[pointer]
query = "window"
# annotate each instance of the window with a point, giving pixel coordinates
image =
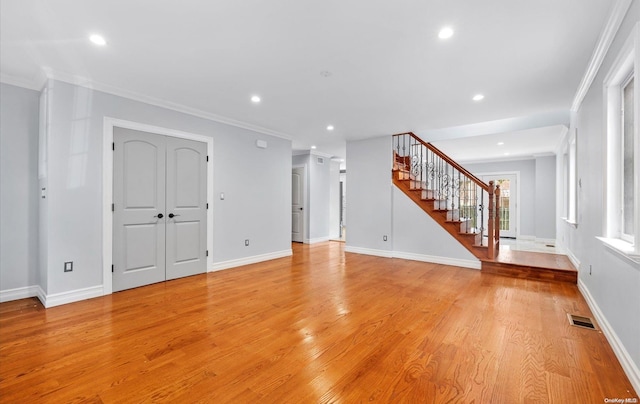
(622, 220)
(569, 173)
(627, 126)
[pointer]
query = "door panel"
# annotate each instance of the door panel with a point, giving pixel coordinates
(187, 201)
(138, 197)
(297, 204)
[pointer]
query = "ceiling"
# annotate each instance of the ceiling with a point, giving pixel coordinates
(367, 67)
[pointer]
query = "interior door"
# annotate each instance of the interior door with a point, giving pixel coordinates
(160, 212)
(508, 203)
(139, 207)
(297, 204)
(186, 219)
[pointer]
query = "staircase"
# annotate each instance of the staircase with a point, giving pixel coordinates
(466, 208)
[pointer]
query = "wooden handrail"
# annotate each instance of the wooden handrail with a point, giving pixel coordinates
(493, 190)
(448, 159)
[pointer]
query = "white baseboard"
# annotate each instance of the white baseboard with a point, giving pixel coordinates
(628, 365)
(317, 240)
(368, 251)
(524, 237)
(438, 260)
(217, 266)
(57, 299)
(540, 240)
(18, 293)
(574, 260)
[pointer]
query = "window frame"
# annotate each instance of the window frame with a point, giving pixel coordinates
(625, 67)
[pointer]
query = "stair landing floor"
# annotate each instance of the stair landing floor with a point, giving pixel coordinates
(532, 265)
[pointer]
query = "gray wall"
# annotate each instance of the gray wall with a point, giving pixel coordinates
(376, 208)
(334, 200)
(416, 232)
(319, 185)
(318, 196)
(612, 282)
(19, 116)
(545, 199)
(256, 183)
(369, 196)
(527, 186)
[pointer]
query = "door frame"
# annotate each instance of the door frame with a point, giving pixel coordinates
(305, 201)
(517, 174)
(107, 189)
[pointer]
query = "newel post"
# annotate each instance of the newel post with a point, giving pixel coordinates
(492, 222)
(497, 225)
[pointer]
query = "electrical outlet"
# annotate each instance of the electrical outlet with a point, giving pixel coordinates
(384, 238)
(68, 266)
(246, 243)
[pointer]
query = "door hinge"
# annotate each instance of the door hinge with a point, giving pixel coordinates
(207, 253)
(207, 159)
(207, 205)
(111, 268)
(113, 207)
(113, 145)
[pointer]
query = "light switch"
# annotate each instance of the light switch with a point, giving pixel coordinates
(222, 196)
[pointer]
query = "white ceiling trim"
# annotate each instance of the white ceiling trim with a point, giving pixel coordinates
(607, 35)
(36, 85)
(120, 92)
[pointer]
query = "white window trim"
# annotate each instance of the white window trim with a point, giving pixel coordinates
(627, 62)
(570, 179)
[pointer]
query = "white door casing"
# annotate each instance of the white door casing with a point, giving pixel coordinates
(109, 125)
(509, 192)
(297, 204)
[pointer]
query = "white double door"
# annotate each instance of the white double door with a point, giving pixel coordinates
(160, 208)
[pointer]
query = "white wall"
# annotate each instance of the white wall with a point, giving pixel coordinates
(609, 282)
(256, 183)
(19, 191)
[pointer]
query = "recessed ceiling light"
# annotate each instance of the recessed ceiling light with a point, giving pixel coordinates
(255, 99)
(478, 97)
(445, 33)
(313, 147)
(330, 127)
(506, 154)
(500, 143)
(98, 40)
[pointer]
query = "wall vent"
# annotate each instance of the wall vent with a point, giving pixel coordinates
(320, 160)
(579, 321)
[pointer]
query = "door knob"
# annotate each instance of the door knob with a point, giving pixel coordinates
(300, 208)
(159, 216)
(171, 215)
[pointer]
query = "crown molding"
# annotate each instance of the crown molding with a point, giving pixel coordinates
(607, 36)
(132, 95)
(34, 84)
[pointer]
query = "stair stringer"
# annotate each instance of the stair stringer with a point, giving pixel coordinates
(467, 240)
(417, 234)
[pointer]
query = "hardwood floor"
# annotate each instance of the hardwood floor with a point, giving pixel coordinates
(321, 326)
